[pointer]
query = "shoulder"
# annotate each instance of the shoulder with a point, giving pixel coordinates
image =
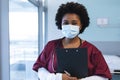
(50, 46)
(91, 47)
(94, 53)
(88, 44)
(53, 43)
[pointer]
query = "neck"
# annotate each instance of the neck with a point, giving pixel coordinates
(71, 43)
(68, 40)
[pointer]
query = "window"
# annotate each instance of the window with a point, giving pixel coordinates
(23, 28)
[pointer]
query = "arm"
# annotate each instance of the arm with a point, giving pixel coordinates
(95, 77)
(100, 70)
(43, 74)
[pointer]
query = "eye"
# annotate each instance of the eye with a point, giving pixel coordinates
(74, 23)
(65, 23)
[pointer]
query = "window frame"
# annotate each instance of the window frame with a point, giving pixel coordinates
(4, 35)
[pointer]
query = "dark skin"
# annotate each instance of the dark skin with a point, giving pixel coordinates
(73, 19)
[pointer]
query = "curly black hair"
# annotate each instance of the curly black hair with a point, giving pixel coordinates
(72, 7)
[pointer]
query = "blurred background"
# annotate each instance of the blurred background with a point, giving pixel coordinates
(27, 25)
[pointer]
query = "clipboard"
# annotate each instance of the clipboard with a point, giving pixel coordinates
(73, 60)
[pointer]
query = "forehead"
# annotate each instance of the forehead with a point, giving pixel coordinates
(70, 16)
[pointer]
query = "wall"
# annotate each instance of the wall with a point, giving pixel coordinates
(108, 9)
(0, 38)
(105, 37)
(4, 40)
(100, 35)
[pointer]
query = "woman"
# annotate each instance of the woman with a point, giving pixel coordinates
(72, 19)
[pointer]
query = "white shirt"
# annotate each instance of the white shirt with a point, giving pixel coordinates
(44, 74)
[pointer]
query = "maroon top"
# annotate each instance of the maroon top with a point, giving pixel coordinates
(96, 62)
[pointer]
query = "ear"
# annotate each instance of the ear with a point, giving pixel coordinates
(80, 28)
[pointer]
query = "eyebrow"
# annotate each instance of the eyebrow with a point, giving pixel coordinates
(72, 20)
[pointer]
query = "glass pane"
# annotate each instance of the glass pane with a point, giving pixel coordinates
(23, 28)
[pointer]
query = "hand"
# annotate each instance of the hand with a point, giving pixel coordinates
(67, 77)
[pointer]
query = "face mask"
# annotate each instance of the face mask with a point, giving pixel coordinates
(70, 31)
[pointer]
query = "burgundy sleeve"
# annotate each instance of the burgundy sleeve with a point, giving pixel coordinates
(42, 59)
(101, 67)
(40, 62)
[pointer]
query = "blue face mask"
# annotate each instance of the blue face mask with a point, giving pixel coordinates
(70, 31)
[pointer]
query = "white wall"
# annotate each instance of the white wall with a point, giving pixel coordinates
(4, 40)
(109, 10)
(102, 37)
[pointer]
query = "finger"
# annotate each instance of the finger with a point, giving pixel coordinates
(73, 78)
